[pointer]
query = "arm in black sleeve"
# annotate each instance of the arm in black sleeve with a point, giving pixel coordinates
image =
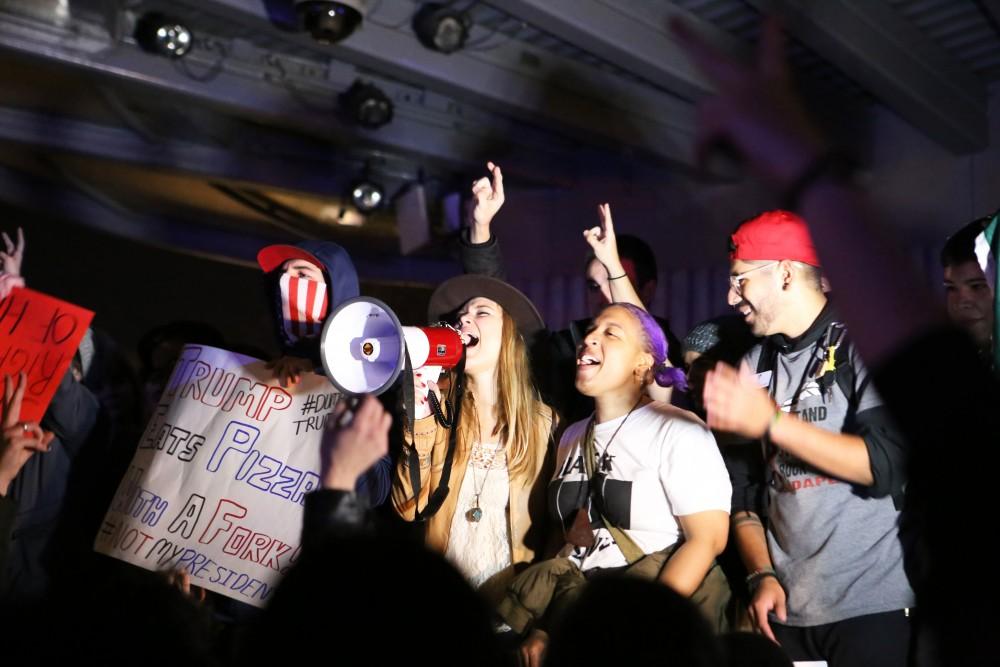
(375, 484)
(8, 511)
(869, 418)
(334, 513)
(72, 414)
(887, 452)
(481, 258)
(746, 473)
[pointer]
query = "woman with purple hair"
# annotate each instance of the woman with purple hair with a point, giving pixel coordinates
(604, 243)
(640, 487)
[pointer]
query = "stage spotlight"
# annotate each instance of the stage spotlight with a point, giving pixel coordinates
(330, 22)
(441, 28)
(366, 195)
(367, 105)
(163, 35)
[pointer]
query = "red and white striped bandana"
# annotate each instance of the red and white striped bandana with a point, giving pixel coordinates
(303, 306)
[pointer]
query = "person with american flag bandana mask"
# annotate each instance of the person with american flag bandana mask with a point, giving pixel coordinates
(307, 281)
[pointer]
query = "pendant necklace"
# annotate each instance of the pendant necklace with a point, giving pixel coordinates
(475, 513)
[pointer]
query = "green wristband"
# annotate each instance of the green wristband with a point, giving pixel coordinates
(754, 578)
(774, 420)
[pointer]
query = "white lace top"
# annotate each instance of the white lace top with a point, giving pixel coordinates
(481, 549)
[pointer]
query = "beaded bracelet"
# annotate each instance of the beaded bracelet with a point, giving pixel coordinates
(754, 578)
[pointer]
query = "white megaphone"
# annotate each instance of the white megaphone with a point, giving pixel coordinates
(363, 347)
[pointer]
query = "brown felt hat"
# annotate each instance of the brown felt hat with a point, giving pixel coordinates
(454, 292)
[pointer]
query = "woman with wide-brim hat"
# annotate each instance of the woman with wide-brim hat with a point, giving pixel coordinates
(492, 518)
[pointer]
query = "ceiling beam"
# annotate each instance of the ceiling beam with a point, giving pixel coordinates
(61, 134)
(872, 43)
(992, 9)
(514, 78)
(254, 85)
(32, 193)
(631, 34)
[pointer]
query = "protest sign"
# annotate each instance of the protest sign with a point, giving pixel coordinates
(39, 335)
(217, 483)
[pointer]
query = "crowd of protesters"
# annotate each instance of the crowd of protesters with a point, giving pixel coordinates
(803, 480)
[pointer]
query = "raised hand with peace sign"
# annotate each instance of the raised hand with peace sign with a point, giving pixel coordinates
(18, 440)
(11, 258)
(12, 255)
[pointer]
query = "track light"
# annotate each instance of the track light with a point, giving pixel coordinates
(163, 35)
(441, 28)
(367, 195)
(367, 105)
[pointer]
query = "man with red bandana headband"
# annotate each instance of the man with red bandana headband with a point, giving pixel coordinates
(307, 282)
(816, 523)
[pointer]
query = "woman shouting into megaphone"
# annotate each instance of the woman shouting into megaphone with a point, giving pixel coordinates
(480, 483)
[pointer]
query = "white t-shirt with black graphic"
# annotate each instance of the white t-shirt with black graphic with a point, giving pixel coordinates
(663, 463)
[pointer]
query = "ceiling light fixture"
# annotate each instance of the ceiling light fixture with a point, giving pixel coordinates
(163, 35)
(367, 195)
(367, 105)
(440, 28)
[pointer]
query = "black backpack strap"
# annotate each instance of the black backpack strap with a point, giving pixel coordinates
(844, 373)
(768, 357)
(767, 360)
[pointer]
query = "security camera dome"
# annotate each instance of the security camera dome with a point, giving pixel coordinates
(328, 21)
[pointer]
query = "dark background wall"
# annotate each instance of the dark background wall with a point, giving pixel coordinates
(133, 287)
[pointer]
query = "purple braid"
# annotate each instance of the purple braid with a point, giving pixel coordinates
(656, 345)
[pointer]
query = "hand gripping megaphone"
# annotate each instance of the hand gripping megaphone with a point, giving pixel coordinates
(363, 347)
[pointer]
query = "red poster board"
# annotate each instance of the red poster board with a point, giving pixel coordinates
(39, 335)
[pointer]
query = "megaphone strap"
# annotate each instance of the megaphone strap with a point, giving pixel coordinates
(436, 498)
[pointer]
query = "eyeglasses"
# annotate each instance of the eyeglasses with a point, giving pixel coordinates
(736, 282)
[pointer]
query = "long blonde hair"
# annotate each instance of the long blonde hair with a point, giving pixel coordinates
(523, 420)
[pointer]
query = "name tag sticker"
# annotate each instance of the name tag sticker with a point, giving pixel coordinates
(764, 379)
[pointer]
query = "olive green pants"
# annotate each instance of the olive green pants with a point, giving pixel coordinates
(543, 592)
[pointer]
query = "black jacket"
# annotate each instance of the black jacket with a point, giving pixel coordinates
(40, 487)
(553, 353)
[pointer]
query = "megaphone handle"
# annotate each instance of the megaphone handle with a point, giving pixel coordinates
(445, 421)
(347, 416)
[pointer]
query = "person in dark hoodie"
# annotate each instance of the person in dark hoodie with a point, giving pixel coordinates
(36, 494)
(306, 283)
(19, 441)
